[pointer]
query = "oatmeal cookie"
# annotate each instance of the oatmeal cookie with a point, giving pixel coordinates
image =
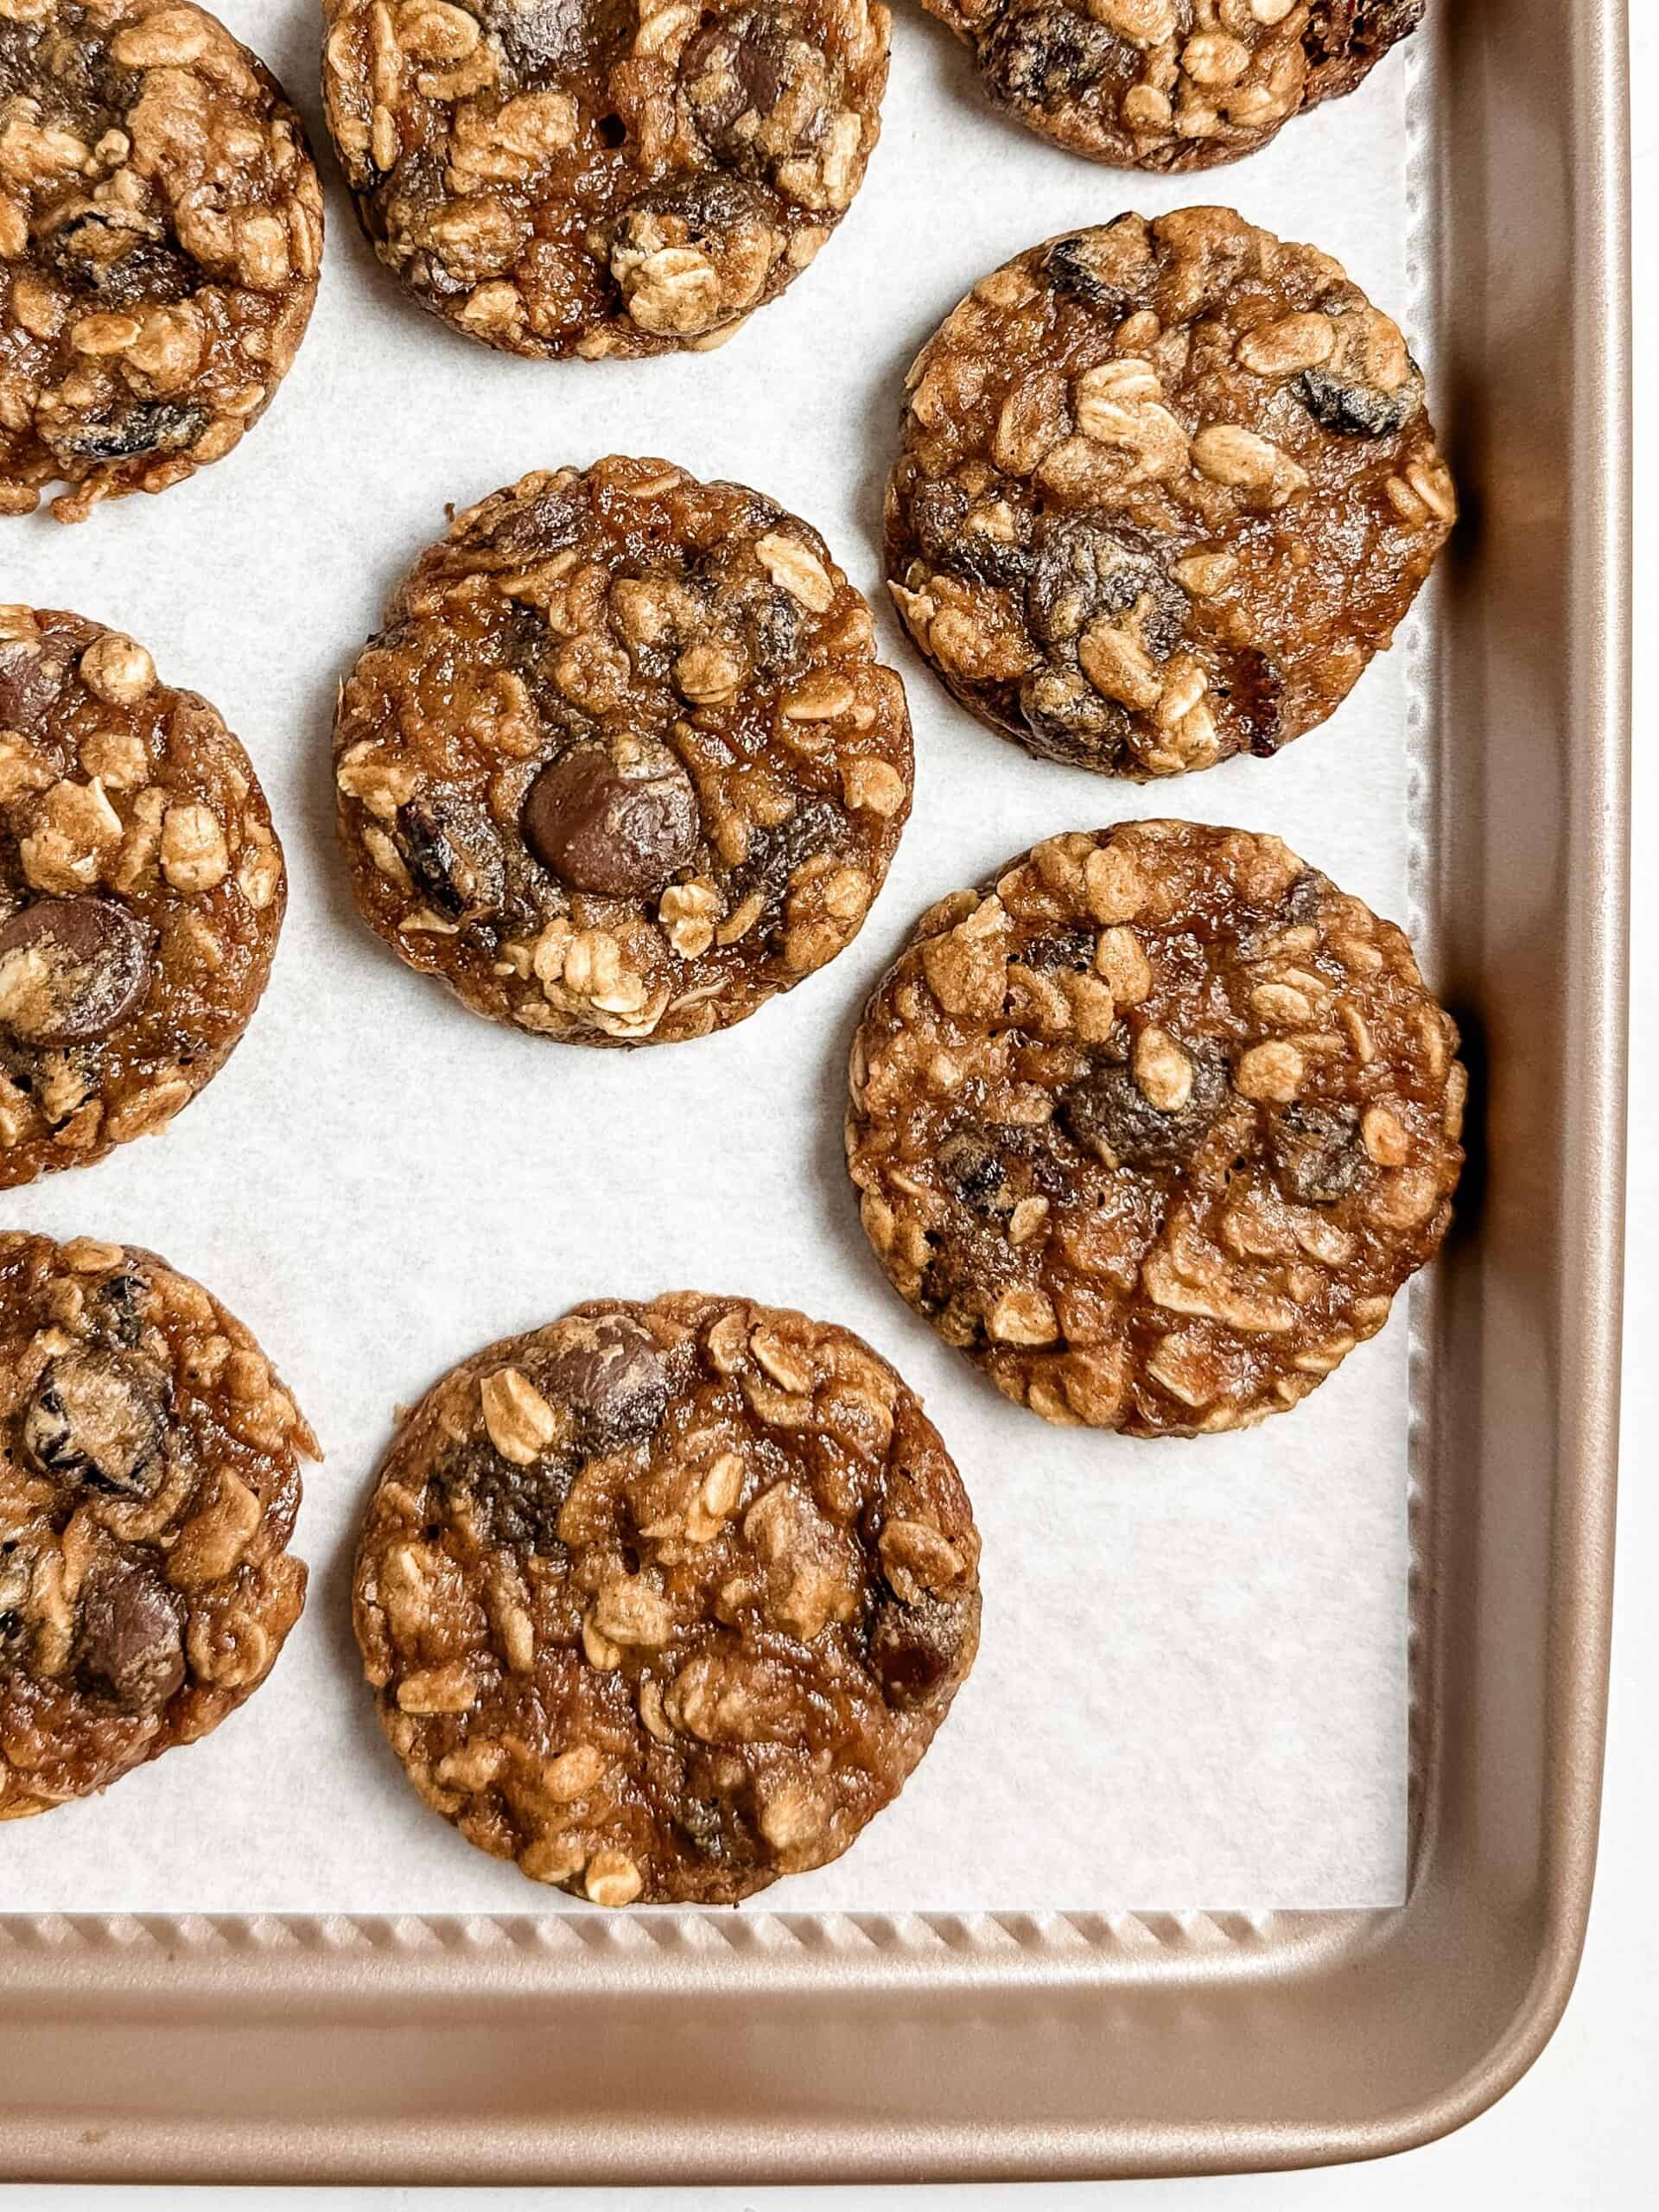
(161, 228)
(622, 764)
(1154, 1125)
(140, 893)
(1164, 488)
(664, 1601)
(1170, 84)
(603, 177)
(149, 1475)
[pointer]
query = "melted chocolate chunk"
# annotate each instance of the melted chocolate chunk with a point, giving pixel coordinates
(617, 821)
(71, 970)
(616, 1383)
(98, 1418)
(130, 1651)
(33, 672)
(1110, 1114)
(1317, 1154)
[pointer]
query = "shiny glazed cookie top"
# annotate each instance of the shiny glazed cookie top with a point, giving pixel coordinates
(603, 177)
(623, 764)
(140, 893)
(1164, 488)
(1170, 84)
(1154, 1126)
(161, 229)
(664, 1601)
(149, 1482)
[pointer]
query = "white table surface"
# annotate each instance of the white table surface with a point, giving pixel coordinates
(1576, 2132)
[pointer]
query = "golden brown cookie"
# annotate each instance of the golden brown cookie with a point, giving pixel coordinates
(140, 893)
(161, 229)
(1165, 489)
(603, 177)
(622, 764)
(149, 1475)
(664, 1601)
(1154, 1125)
(1170, 84)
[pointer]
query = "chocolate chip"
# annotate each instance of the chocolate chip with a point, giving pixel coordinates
(1316, 1154)
(1344, 38)
(1067, 719)
(614, 1379)
(119, 265)
(546, 524)
(516, 1506)
(148, 426)
(32, 672)
(616, 821)
(1299, 908)
(913, 1648)
(71, 970)
(1045, 55)
(117, 1304)
(714, 207)
(452, 850)
(131, 1649)
(734, 72)
(1086, 565)
(98, 1418)
(949, 535)
(1078, 267)
(815, 826)
(566, 33)
(716, 1813)
(973, 1167)
(1072, 949)
(773, 627)
(1108, 1114)
(1338, 404)
(1254, 689)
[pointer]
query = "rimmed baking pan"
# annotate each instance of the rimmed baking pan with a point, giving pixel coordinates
(765, 2047)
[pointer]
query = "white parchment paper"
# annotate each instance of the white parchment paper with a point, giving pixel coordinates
(1192, 1689)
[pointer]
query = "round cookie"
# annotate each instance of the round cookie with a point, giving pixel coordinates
(141, 894)
(161, 229)
(1170, 84)
(1155, 1125)
(664, 1601)
(149, 1475)
(622, 764)
(1165, 489)
(603, 177)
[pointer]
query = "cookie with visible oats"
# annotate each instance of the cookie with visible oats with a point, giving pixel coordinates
(1165, 489)
(149, 1475)
(141, 894)
(1170, 84)
(1154, 1125)
(623, 764)
(603, 177)
(161, 230)
(666, 1600)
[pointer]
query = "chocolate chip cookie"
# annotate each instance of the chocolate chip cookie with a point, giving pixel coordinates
(664, 1601)
(141, 894)
(603, 177)
(1154, 1126)
(149, 1474)
(1165, 489)
(161, 228)
(1170, 84)
(622, 764)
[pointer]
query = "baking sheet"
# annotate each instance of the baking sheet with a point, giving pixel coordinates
(1192, 1689)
